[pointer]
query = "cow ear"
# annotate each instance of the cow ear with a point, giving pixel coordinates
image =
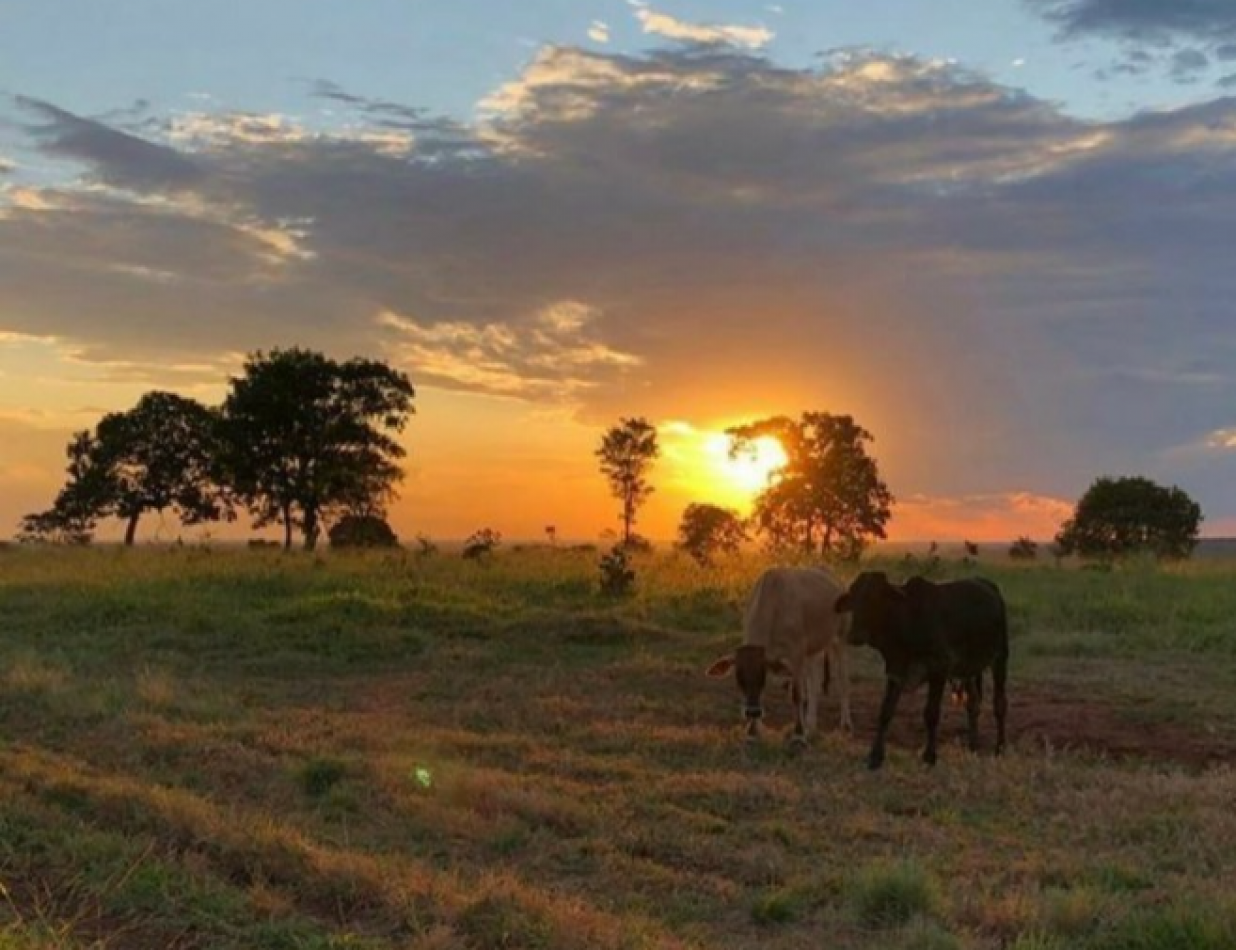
(720, 666)
(779, 667)
(844, 604)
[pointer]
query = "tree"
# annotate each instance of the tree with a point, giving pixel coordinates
(627, 453)
(362, 531)
(707, 530)
(1023, 549)
(159, 455)
(307, 438)
(1118, 516)
(828, 495)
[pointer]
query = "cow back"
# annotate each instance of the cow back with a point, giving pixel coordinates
(791, 612)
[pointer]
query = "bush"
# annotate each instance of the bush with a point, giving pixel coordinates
(617, 575)
(362, 531)
(1023, 549)
(481, 544)
(708, 530)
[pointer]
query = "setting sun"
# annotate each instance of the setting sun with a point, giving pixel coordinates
(748, 471)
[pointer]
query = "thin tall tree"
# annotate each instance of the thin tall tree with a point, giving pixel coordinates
(627, 453)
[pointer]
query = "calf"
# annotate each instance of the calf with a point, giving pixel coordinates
(791, 628)
(936, 633)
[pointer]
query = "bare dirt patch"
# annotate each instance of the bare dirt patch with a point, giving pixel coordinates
(1059, 722)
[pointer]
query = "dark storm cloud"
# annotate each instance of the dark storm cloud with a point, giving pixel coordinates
(693, 232)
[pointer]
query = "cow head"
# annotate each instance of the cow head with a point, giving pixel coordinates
(875, 605)
(751, 667)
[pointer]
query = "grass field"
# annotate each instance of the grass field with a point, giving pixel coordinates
(241, 749)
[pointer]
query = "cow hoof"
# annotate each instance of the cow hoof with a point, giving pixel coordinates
(874, 762)
(929, 759)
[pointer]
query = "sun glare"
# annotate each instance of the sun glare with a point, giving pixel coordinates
(748, 471)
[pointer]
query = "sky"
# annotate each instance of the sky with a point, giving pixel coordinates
(999, 235)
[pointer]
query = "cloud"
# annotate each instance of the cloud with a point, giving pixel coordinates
(1188, 64)
(995, 517)
(598, 32)
(116, 157)
(1002, 293)
(552, 356)
(1180, 32)
(1142, 20)
(662, 24)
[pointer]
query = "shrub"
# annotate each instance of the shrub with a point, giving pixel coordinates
(617, 575)
(708, 530)
(481, 543)
(362, 531)
(1023, 549)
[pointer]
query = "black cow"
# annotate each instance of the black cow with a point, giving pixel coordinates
(934, 633)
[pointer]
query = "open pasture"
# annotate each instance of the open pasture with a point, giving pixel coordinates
(213, 748)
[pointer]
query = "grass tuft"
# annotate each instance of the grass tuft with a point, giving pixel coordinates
(890, 895)
(320, 775)
(779, 906)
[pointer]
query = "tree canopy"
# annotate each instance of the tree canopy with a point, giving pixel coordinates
(709, 530)
(828, 496)
(160, 455)
(307, 438)
(1118, 516)
(627, 453)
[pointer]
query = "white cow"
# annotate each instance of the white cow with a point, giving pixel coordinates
(791, 628)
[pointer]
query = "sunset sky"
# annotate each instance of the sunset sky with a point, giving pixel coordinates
(1001, 234)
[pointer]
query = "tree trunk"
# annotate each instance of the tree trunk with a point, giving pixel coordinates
(130, 531)
(311, 528)
(287, 527)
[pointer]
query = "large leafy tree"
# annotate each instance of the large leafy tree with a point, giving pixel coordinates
(307, 437)
(627, 453)
(158, 456)
(1130, 515)
(828, 496)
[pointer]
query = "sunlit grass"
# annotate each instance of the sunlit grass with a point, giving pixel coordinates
(241, 749)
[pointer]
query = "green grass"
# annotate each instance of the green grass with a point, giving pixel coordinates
(214, 748)
(889, 895)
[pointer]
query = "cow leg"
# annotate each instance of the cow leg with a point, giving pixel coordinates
(892, 693)
(799, 699)
(999, 678)
(931, 715)
(839, 663)
(816, 669)
(974, 703)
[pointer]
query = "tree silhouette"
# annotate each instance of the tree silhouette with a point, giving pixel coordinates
(159, 455)
(828, 495)
(707, 530)
(362, 531)
(306, 438)
(1129, 515)
(627, 453)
